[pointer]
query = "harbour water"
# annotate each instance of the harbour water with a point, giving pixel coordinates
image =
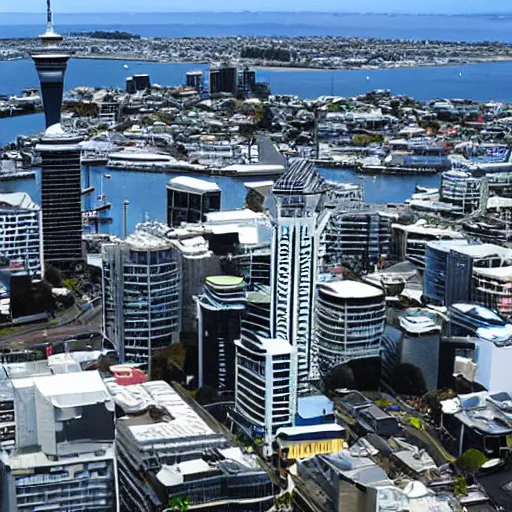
(482, 82)
(147, 196)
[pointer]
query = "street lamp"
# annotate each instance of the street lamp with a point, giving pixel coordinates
(104, 177)
(126, 203)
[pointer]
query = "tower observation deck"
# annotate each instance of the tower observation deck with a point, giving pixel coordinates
(51, 64)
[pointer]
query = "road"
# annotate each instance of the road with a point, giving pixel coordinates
(68, 325)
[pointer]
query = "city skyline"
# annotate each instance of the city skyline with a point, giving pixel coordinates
(351, 6)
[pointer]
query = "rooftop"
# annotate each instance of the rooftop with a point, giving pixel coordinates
(179, 425)
(192, 185)
(225, 282)
(17, 201)
(301, 177)
(349, 290)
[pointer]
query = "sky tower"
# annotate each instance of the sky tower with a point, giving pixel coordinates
(51, 67)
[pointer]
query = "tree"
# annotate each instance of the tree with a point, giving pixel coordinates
(431, 399)
(460, 486)
(340, 377)
(206, 395)
(179, 504)
(408, 380)
(471, 460)
(53, 276)
(254, 201)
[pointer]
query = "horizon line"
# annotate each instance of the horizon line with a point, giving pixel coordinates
(247, 11)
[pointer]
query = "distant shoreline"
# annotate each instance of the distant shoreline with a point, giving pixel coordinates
(296, 68)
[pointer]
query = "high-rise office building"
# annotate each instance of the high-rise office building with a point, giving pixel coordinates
(61, 196)
(349, 321)
(219, 311)
(21, 235)
(141, 296)
(224, 79)
(246, 81)
(194, 79)
(299, 223)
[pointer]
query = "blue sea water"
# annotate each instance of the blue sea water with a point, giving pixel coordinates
(477, 81)
(147, 193)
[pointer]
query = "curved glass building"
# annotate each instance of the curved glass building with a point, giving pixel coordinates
(462, 189)
(219, 314)
(350, 320)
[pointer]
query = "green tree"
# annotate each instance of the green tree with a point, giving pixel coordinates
(460, 486)
(408, 380)
(471, 460)
(53, 275)
(340, 377)
(179, 504)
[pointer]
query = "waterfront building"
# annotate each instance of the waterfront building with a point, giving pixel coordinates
(299, 225)
(219, 312)
(21, 235)
(141, 281)
(64, 452)
(171, 450)
(61, 196)
(410, 241)
(194, 79)
(224, 78)
(344, 196)
(142, 82)
(246, 81)
(463, 190)
(349, 323)
(131, 88)
(190, 199)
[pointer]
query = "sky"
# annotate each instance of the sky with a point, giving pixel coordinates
(386, 6)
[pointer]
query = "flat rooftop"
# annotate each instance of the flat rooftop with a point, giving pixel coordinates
(192, 185)
(349, 290)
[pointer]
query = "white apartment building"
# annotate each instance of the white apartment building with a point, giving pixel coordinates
(141, 296)
(299, 224)
(264, 384)
(21, 235)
